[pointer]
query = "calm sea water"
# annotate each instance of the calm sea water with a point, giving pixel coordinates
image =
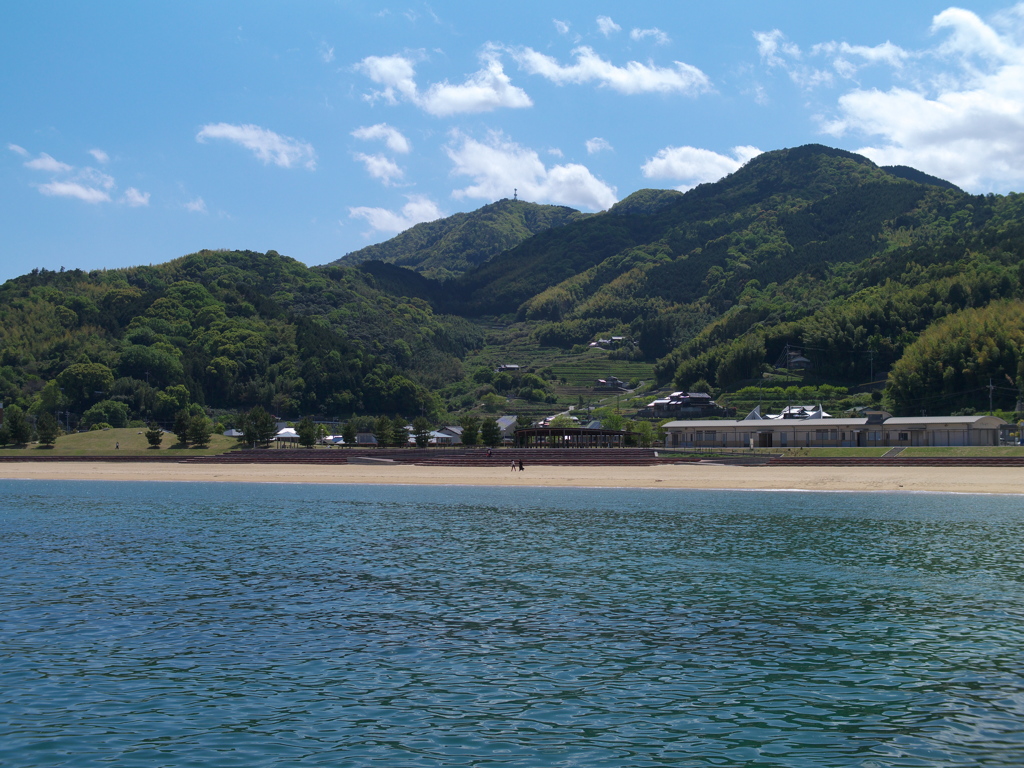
(232, 625)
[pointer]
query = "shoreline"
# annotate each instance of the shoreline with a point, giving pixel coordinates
(696, 476)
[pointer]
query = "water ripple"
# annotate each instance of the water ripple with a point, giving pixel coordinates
(362, 626)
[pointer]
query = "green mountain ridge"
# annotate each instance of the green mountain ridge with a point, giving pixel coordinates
(863, 268)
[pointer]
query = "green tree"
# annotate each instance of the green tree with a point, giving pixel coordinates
(701, 385)
(49, 399)
(112, 412)
(470, 429)
(182, 420)
(384, 431)
(154, 435)
(172, 399)
(490, 432)
(348, 433)
(257, 426)
(493, 402)
(307, 432)
(18, 428)
(85, 383)
(421, 431)
(5, 434)
(613, 421)
(644, 432)
(200, 429)
(562, 421)
(47, 429)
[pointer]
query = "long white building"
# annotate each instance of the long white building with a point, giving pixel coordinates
(818, 431)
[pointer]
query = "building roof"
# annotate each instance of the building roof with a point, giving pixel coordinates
(785, 424)
(901, 420)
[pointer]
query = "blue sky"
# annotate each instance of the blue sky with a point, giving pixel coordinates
(134, 133)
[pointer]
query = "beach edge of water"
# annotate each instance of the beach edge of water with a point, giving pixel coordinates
(695, 476)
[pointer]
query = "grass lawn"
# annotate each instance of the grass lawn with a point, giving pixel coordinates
(825, 453)
(960, 451)
(132, 441)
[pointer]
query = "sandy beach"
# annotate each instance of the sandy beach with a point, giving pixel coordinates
(679, 476)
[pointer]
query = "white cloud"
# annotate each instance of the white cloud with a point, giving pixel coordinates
(844, 60)
(46, 163)
(606, 26)
(198, 205)
(842, 53)
(660, 38)
(630, 79)
(326, 53)
(777, 52)
(392, 137)
(417, 210)
(970, 36)
(134, 198)
(556, 152)
(596, 145)
(485, 90)
(966, 124)
(76, 190)
(86, 183)
(500, 166)
(268, 146)
(693, 166)
(381, 168)
(774, 49)
(97, 178)
(561, 27)
(396, 73)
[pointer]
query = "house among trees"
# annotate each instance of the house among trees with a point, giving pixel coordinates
(612, 343)
(792, 359)
(797, 362)
(683, 405)
(507, 368)
(611, 383)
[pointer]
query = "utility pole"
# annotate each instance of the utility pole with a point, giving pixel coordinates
(990, 388)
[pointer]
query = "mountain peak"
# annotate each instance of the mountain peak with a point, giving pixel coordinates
(447, 247)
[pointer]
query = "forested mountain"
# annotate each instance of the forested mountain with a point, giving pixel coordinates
(812, 247)
(863, 268)
(225, 330)
(448, 247)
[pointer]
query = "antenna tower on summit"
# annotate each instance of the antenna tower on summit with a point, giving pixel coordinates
(515, 193)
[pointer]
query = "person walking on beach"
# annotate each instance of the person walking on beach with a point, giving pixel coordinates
(513, 465)
(521, 465)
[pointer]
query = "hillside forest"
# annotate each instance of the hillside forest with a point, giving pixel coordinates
(885, 279)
